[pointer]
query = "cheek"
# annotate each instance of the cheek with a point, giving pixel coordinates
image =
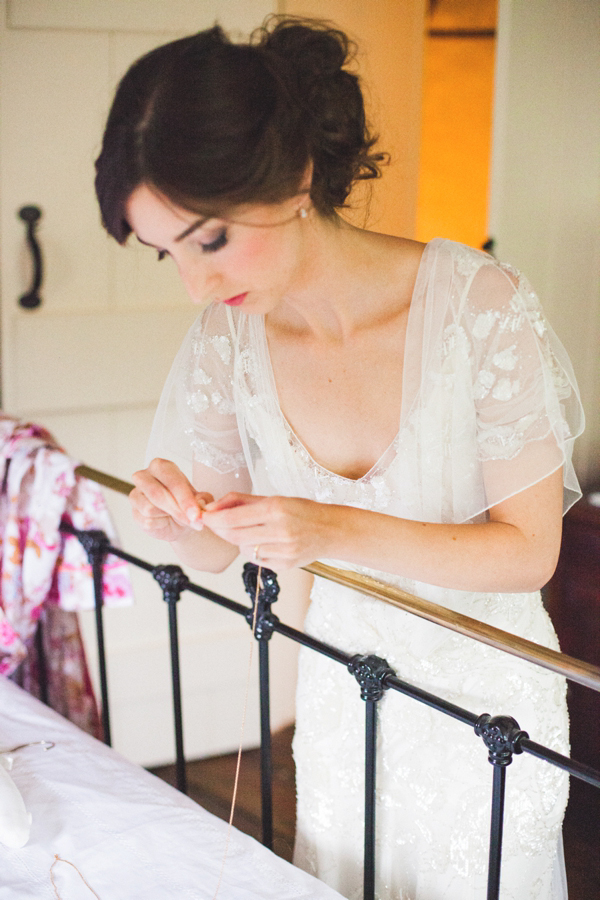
(266, 252)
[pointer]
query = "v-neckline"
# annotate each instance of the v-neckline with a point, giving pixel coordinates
(382, 462)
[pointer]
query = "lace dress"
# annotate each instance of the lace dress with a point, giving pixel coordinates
(489, 407)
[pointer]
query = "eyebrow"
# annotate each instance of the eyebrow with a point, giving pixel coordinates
(197, 224)
(191, 228)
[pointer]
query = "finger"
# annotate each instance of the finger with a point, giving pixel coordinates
(158, 526)
(142, 506)
(268, 558)
(168, 489)
(174, 481)
(152, 498)
(231, 500)
(242, 511)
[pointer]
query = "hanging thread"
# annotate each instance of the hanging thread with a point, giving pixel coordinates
(58, 858)
(239, 755)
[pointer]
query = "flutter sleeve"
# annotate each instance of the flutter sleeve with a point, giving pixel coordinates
(528, 410)
(196, 422)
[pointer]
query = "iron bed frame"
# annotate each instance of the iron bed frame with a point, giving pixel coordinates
(501, 734)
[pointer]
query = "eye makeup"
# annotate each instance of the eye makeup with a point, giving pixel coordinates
(216, 244)
(212, 247)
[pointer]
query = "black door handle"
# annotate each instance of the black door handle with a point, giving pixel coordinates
(31, 216)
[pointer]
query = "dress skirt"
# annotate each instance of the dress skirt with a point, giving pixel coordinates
(434, 781)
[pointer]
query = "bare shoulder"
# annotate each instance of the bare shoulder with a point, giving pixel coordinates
(400, 259)
(399, 252)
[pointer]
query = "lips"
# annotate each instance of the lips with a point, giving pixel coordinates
(237, 300)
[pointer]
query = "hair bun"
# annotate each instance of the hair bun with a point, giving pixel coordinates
(311, 57)
(313, 49)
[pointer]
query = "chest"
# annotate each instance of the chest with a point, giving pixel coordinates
(343, 401)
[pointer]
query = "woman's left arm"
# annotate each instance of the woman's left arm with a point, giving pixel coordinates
(516, 550)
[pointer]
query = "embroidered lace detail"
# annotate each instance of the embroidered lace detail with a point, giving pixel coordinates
(222, 346)
(506, 359)
(208, 395)
(466, 260)
(207, 454)
(485, 381)
(369, 492)
(505, 441)
(199, 376)
(197, 399)
(484, 324)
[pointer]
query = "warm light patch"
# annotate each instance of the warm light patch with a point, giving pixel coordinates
(456, 120)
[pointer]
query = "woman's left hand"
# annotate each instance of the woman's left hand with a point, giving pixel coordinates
(279, 532)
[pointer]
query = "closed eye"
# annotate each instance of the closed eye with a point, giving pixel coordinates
(161, 254)
(215, 245)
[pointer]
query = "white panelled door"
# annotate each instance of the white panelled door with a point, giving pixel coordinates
(89, 363)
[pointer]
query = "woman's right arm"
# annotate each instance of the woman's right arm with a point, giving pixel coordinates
(168, 507)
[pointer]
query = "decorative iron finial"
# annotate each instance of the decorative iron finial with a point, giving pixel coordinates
(370, 672)
(502, 736)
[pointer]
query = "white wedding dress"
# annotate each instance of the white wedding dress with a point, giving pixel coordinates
(489, 407)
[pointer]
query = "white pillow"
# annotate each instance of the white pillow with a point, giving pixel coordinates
(15, 821)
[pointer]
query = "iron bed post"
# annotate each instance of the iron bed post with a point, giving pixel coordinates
(172, 581)
(41, 661)
(264, 621)
(266, 760)
(502, 737)
(96, 544)
(370, 672)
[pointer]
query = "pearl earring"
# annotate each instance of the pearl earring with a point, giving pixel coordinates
(303, 212)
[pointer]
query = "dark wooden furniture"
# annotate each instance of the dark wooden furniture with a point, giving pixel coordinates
(573, 600)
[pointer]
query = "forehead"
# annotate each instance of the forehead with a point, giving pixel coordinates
(149, 213)
(155, 219)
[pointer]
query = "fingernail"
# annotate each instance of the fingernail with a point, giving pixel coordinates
(192, 515)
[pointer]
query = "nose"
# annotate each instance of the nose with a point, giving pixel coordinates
(200, 282)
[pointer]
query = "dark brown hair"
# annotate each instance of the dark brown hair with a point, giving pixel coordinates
(211, 124)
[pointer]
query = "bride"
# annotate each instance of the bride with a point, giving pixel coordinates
(398, 408)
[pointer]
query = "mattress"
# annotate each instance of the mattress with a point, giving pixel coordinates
(129, 834)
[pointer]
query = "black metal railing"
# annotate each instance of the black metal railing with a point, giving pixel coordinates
(501, 734)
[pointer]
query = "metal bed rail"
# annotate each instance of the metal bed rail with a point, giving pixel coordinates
(502, 735)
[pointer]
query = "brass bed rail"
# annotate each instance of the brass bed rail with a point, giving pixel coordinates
(574, 669)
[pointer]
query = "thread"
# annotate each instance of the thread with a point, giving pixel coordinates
(239, 755)
(58, 858)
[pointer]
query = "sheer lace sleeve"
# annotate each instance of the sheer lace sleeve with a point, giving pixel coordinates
(196, 422)
(527, 404)
(489, 395)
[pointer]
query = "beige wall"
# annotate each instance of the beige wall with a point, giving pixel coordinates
(389, 34)
(545, 211)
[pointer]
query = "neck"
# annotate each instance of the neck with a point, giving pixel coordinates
(342, 281)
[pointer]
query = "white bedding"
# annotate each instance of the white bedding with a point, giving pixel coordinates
(130, 834)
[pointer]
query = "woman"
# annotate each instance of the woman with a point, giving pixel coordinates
(401, 409)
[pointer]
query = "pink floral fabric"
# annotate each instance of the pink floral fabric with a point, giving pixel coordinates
(41, 569)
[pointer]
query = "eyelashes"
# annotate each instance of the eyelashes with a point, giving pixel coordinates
(215, 245)
(219, 241)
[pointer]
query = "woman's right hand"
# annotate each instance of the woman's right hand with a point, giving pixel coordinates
(164, 503)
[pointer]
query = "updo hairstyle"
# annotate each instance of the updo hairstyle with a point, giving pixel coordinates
(211, 124)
